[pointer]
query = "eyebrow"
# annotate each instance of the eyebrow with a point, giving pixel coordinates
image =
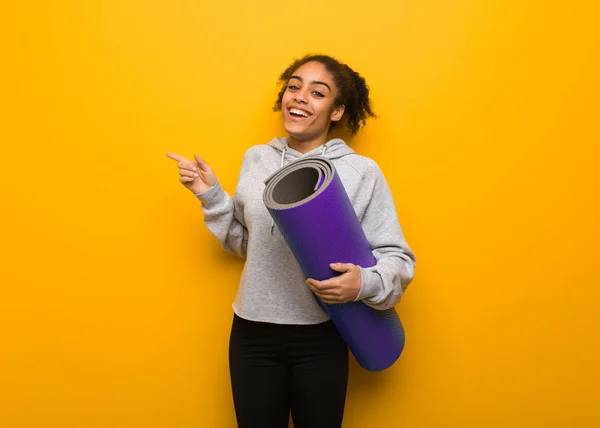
(314, 81)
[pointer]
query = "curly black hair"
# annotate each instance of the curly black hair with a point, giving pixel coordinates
(353, 91)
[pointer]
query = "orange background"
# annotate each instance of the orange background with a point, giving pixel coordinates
(115, 299)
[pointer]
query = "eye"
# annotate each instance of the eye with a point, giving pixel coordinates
(293, 87)
(318, 94)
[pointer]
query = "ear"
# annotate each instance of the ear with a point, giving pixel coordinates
(337, 113)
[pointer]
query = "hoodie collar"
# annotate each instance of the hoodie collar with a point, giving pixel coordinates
(284, 150)
(332, 149)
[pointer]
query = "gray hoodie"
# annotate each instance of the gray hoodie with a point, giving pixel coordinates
(272, 287)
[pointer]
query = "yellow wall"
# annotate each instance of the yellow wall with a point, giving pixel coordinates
(115, 300)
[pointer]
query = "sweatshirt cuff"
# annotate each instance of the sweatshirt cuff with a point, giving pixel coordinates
(212, 197)
(370, 284)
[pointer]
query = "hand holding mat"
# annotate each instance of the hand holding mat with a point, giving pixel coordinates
(310, 207)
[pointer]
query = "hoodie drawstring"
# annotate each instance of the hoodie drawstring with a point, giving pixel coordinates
(283, 157)
(283, 152)
(280, 166)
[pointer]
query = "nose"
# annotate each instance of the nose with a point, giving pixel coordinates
(301, 96)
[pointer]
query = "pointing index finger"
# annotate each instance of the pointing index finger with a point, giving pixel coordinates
(176, 157)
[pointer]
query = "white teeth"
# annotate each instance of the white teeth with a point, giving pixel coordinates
(300, 112)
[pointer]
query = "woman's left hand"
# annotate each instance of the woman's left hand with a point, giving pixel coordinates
(339, 289)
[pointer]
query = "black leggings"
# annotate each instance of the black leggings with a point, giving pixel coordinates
(276, 368)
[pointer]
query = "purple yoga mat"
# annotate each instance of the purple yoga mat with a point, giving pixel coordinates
(310, 207)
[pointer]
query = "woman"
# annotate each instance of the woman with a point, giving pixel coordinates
(285, 353)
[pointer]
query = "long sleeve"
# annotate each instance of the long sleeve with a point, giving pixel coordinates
(383, 284)
(224, 217)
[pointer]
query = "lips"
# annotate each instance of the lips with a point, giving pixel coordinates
(298, 113)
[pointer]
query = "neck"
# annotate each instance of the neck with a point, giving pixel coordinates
(305, 146)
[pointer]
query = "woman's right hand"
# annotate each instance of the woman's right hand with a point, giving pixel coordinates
(196, 176)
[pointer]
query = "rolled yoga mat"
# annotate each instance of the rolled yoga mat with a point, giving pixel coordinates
(312, 210)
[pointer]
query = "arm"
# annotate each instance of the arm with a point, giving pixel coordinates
(224, 217)
(222, 214)
(382, 285)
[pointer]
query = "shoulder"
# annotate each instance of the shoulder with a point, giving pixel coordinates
(258, 151)
(362, 166)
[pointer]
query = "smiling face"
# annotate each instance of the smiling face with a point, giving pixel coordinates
(308, 103)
